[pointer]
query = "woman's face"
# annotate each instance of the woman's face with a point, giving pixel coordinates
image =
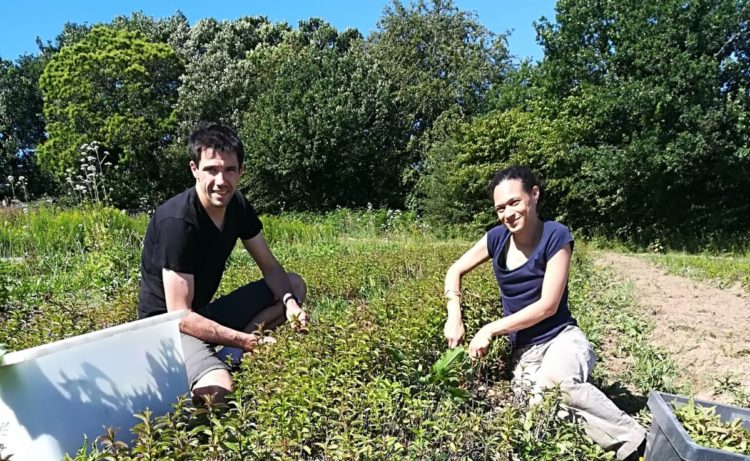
(513, 205)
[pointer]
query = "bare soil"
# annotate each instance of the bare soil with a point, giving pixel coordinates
(705, 329)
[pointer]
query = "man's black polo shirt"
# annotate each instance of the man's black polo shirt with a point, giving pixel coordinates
(182, 237)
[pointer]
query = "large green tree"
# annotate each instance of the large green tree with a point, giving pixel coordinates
(117, 88)
(321, 134)
(436, 59)
(459, 166)
(219, 83)
(637, 116)
(21, 121)
(663, 88)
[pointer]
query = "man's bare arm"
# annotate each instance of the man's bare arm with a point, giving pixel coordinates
(275, 275)
(178, 294)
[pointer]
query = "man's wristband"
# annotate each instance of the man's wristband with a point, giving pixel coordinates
(289, 296)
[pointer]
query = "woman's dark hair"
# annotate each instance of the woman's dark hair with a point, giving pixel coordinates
(211, 135)
(526, 176)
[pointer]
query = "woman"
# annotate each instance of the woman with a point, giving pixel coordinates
(531, 260)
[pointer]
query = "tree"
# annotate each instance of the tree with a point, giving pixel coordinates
(173, 30)
(458, 167)
(322, 133)
(436, 58)
(662, 88)
(21, 121)
(119, 89)
(218, 84)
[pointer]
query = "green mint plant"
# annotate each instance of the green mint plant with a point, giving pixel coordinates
(706, 428)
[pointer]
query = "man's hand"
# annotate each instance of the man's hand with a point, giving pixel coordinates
(454, 330)
(480, 344)
(251, 341)
(296, 316)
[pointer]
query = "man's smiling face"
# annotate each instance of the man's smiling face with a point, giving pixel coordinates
(216, 177)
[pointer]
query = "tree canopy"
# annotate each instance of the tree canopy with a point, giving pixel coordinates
(116, 88)
(636, 117)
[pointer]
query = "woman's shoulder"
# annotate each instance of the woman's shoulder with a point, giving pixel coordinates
(497, 233)
(495, 238)
(556, 235)
(555, 227)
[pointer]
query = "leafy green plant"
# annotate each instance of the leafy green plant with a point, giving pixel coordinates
(372, 379)
(728, 384)
(706, 428)
(90, 183)
(446, 372)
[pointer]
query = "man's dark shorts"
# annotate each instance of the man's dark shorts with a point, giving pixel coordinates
(234, 310)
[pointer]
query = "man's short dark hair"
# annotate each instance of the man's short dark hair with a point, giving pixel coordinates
(212, 135)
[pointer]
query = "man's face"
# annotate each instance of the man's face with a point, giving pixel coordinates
(216, 176)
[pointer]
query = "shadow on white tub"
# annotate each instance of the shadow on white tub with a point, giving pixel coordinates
(52, 396)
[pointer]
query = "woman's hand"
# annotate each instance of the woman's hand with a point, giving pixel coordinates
(476, 255)
(454, 330)
(480, 343)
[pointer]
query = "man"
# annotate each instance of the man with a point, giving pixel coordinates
(185, 250)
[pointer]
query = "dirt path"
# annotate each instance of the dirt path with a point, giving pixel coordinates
(705, 329)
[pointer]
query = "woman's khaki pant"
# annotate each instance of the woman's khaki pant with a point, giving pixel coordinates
(568, 360)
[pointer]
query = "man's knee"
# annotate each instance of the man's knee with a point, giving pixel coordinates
(298, 285)
(215, 384)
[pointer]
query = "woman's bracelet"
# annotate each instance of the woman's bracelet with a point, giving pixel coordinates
(449, 293)
(289, 296)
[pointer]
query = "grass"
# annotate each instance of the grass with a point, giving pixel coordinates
(722, 271)
(370, 381)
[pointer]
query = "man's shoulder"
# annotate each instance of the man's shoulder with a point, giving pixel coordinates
(244, 217)
(239, 201)
(179, 207)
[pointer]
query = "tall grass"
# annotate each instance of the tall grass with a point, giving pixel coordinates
(49, 231)
(723, 271)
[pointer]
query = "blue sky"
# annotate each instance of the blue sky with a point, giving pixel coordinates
(24, 20)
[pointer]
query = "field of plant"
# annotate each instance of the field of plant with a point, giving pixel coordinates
(723, 271)
(372, 379)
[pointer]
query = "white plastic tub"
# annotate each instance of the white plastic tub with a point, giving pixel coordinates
(54, 395)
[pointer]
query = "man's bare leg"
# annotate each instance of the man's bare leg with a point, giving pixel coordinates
(215, 384)
(275, 315)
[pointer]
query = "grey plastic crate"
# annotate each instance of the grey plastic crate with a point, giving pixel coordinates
(668, 440)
